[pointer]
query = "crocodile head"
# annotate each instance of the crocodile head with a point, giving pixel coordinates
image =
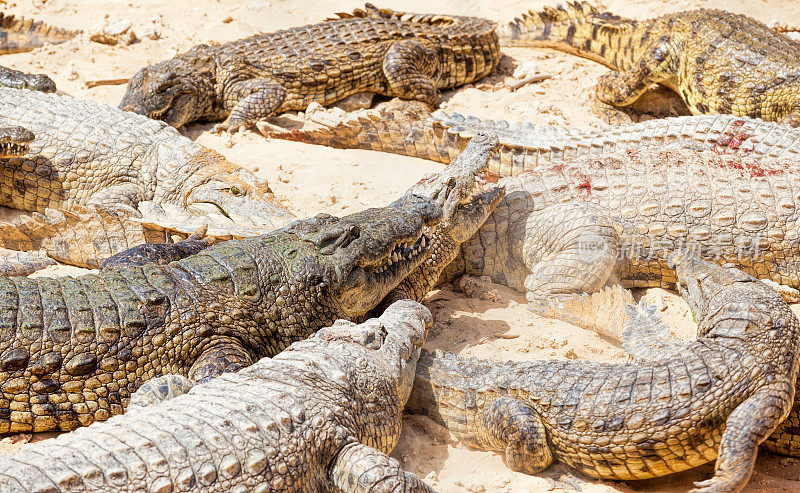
(14, 141)
(466, 206)
(391, 342)
(725, 301)
(361, 257)
(170, 91)
(225, 190)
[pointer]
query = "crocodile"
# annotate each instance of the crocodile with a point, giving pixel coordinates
(20, 34)
(99, 337)
(716, 400)
(717, 61)
(320, 416)
(465, 211)
(374, 50)
(672, 180)
(73, 349)
(89, 155)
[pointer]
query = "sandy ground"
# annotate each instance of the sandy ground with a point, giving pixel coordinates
(485, 321)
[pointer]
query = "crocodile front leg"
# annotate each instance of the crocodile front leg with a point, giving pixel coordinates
(247, 99)
(570, 250)
(359, 468)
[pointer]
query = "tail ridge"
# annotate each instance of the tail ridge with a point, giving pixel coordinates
(576, 27)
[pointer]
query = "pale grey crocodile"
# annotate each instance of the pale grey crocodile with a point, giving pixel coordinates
(320, 416)
(94, 161)
(708, 180)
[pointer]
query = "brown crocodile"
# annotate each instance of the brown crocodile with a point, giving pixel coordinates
(381, 51)
(717, 61)
(320, 416)
(716, 400)
(98, 337)
(97, 162)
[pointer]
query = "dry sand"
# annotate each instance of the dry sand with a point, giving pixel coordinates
(490, 321)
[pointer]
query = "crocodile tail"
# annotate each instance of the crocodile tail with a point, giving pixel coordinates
(438, 137)
(408, 131)
(20, 34)
(577, 28)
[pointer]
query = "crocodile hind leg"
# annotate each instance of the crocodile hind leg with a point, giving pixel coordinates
(409, 66)
(571, 251)
(624, 87)
(747, 426)
(515, 428)
(359, 468)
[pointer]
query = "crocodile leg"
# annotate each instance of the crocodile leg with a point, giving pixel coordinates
(624, 87)
(159, 389)
(249, 100)
(570, 250)
(409, 66)
(359, 468)
(226, 355)
(647, 338)
(747, 426)
(793, 118)
(520, 433)
(121, 197)
(24, 263)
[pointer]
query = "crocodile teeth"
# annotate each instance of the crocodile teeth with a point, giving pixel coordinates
(422, 242)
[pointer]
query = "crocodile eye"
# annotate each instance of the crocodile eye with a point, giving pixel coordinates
(354, 231)
(235, 191)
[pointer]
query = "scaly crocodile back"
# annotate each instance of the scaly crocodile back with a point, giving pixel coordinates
(468, 44)
(19, 34)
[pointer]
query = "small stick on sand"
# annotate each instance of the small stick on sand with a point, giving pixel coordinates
(106, 82)
(527, 80)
